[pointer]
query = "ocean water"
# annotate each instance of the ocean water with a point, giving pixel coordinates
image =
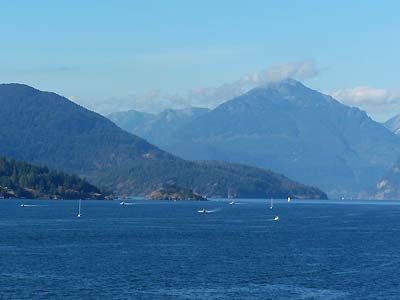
(166, 250)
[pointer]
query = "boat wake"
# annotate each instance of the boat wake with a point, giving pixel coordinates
(206, 211)
(126, 203)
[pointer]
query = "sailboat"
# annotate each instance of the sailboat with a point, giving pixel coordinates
(79, 209)
(272, 204)
(288, 199)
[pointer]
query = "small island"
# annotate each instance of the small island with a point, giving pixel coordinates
(175, 193)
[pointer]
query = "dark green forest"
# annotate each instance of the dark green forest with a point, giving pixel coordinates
(22, 180)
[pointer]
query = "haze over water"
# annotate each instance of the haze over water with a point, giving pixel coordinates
(164, 250)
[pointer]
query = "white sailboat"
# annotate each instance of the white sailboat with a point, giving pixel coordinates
(79, 209)
(288, 199)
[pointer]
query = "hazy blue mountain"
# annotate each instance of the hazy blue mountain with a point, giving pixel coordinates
(389, 185)
(293, 130)
(48, 129)
(393, 124)
(156, 128)
(130, 120)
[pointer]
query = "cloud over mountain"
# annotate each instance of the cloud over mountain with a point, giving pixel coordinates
(365, 95)
(375, 101)
(300, 70)
(155, 101)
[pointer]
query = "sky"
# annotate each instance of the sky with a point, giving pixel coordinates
(151, 55)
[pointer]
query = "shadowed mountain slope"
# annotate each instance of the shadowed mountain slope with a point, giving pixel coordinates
(48, 129)
(291, 129)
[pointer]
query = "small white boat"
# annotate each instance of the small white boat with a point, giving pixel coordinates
(288, 199)
(272, 204)
(232, 203)
(122, 203)
(276, 218)
(79, 209)
(203, 211)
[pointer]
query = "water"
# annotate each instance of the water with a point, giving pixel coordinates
(164, 250)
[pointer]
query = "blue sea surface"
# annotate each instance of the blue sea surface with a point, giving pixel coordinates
(167, 250)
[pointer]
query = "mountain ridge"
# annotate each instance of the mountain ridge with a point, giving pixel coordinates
(393, 124)
(291, 129)
(47, 129)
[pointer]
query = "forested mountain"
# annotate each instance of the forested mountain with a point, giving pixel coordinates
(20, 179)
(291, 129)
(48, 129)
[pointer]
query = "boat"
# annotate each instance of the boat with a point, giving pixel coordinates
(203, 211)
(79, 209)
(232, 203)
(276, 218)
(288, 199)
(272, 204)
(122, 203)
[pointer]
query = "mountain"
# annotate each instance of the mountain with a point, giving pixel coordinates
(156, 128)
(388, 187)
(393, 124)
(294, 130)
(20, 179)
(131, 120)
(47, 129)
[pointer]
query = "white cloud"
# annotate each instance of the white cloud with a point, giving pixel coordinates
(298, 70)
(378, 103)
(155, 101)
(365, 95)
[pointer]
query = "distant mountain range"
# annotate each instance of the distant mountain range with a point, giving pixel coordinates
(47, 129)
(286, 127)
(156, 128)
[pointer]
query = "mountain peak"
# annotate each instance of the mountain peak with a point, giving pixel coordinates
(284, 86)
(13, 87)
(281, 93)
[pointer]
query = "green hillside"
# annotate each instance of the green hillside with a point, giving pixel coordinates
(22, 180)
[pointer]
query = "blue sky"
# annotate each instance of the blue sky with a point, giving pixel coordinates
(104, 53)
